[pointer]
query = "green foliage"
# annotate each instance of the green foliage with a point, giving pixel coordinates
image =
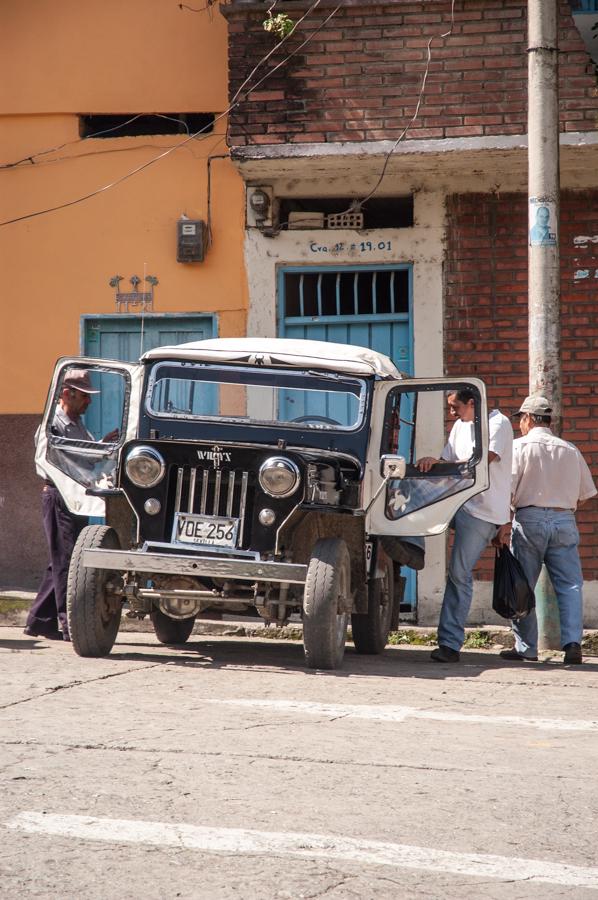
(279, 25)
(475, 640)
(590, 644)
(12, 604)
(409, 636)
(286, 633)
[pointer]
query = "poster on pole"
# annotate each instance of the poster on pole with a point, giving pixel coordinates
(542, 222)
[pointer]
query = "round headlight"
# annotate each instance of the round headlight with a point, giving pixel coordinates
(279, 477)
(144, 466)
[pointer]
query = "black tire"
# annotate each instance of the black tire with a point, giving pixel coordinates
(171, 631)
(370, 630)
(93, 616)
(327, 587)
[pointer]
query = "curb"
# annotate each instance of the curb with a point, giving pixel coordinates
(14, 607)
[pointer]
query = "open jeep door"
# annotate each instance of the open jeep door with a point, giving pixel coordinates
(79, 466)
(406, 423)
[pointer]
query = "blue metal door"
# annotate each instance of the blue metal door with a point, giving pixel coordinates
(368, 306)
(126, 337)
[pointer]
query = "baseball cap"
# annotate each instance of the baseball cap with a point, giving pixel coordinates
(79, 380)
(535, 405)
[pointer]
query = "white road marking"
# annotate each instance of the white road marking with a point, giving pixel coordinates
(307, 846)
(400, 713)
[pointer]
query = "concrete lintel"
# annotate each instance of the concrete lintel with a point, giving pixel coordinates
(494, 155)
(362, 149)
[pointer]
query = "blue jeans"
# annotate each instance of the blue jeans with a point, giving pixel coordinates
(472, 536)
(551, 537)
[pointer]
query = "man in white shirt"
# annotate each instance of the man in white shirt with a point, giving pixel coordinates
(477, 522)
(550, 480)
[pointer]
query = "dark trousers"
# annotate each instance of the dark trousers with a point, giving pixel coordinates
(62, 528)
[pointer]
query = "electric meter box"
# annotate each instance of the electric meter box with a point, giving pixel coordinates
(192, 240)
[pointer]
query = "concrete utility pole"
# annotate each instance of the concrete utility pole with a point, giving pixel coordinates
(543, 249)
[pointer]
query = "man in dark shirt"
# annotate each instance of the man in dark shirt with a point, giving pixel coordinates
(47, 616)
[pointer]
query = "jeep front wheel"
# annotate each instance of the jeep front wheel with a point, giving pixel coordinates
(171, 631)
(370, 630)
(325, 604)
(93, 612)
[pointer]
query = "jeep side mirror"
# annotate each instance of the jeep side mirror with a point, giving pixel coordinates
(392, 466)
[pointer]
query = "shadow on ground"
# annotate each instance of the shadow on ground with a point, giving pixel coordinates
(408, 662)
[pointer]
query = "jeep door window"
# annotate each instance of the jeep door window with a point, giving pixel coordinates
(256, 396)
(410, 425)
(84, 431)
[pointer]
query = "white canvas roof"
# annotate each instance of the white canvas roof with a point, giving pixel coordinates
(283, 352)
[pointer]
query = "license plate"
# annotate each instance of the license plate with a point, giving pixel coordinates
(213, 530)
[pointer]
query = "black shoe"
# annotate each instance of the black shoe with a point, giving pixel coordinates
(30, 631)
(572, 654)
(445, 655)
(66, 636)
(515, 654)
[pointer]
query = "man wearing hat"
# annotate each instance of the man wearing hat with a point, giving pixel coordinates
(47, 616)
(550, 480)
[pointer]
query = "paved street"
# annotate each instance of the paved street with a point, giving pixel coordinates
(226, 770)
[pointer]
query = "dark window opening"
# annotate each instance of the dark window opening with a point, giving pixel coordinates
(349, 292)
(378, 212)
(138, 124)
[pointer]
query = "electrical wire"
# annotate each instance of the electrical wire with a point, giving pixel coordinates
(272, 51)
(300, 47)
(103, 152)
(208, 5)
(209, 191)
(234, 102)
(31, 159)
(360, 203)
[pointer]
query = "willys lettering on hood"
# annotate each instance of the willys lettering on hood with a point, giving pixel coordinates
(216, 456)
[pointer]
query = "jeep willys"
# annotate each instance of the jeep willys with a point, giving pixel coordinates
(263, 476)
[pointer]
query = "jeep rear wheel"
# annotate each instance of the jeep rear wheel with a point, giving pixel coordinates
(370, 631)
(93, 613)
(171, 631)
(326, 599)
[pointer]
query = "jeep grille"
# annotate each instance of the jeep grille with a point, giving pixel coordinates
(212, 492)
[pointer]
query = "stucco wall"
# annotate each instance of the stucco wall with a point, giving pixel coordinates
(60, 60)
(69, 58)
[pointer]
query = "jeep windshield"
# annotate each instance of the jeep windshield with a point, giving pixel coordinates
(246, 395)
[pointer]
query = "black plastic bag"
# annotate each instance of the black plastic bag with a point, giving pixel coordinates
(512, 597)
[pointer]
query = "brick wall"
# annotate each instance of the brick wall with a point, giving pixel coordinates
(486, 317)
(359, 78)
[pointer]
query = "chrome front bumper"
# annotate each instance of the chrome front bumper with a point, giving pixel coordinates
(206, 566)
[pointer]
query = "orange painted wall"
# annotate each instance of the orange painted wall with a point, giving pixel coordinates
(60, 58)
